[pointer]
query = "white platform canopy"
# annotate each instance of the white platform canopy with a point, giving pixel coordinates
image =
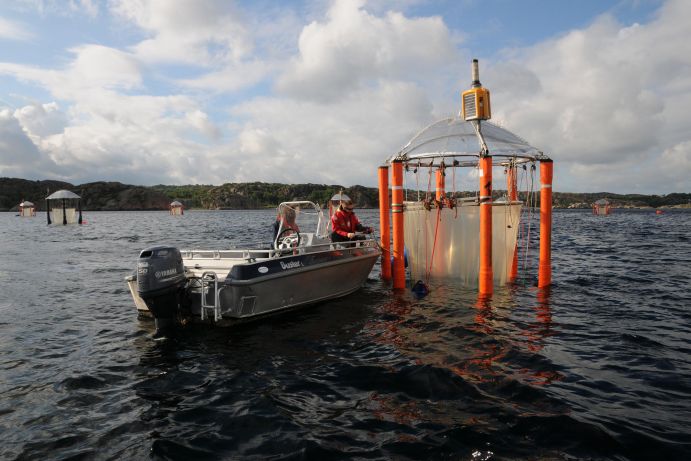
(456, 142)
(26, 203)
(62, 194)
(339, 196)
(64, 207)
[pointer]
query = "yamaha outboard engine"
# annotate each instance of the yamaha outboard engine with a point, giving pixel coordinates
(160, 280)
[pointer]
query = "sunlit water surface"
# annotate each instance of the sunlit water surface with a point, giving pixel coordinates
(599, 367)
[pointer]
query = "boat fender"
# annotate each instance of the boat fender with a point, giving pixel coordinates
(405, 257)
(420, 289)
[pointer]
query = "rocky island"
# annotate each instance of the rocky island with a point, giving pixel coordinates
(115, 196)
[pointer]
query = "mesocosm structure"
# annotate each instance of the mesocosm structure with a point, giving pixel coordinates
(472, 239)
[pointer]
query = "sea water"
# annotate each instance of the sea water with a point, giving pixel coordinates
(597, 367)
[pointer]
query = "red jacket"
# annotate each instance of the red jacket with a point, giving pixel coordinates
(344, 222)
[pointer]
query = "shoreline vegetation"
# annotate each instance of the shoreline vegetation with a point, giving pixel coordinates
(115, 196)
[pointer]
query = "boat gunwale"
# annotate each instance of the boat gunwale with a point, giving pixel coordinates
(195, 254)
(229, 281)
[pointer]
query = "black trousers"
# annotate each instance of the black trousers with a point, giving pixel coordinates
(339, 238)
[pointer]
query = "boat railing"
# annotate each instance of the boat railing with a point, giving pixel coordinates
(459, 202)
(249, 255)
(208, 279)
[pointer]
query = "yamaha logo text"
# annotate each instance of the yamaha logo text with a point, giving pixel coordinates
(166, 273)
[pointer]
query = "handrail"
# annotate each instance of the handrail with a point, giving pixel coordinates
(270, 253)
(206, 279)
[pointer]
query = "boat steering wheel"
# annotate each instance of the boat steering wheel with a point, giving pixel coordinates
(288, 238)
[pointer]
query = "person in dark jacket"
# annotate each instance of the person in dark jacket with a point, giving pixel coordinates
(345, 225)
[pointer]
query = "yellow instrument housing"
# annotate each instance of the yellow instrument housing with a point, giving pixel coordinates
(476, 104)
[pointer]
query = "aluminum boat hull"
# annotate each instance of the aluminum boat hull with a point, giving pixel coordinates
(254, 287)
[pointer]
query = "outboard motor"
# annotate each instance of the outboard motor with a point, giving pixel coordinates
(160, 279)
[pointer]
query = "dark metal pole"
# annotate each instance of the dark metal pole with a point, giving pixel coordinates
(64, 213)
(79, 204)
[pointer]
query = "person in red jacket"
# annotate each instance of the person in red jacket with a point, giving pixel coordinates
(344, 224)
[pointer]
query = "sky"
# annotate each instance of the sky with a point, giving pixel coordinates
(152, 92)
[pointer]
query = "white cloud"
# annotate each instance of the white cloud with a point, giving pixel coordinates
(327, 143)
(19, 156)
(112, 134)
(89, 7)
(14, 31)
(201, 123)
(604, 95)
(123, 146)
(116, 136)
(199, 32)
(108, 134)
(15, 146)
(676, 165)
(332, 96)
(94, 68)
(60, 7)
(97, 66)
(353, 48)
(41, 120)
(232, 78)
(224, 48)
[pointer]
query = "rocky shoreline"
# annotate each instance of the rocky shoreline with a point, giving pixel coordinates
(115, 196)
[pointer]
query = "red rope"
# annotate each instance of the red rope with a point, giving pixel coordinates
(434, 244)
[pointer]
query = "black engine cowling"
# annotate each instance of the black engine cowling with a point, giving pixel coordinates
(160, 281)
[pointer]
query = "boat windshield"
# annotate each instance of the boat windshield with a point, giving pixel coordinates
(303, 216)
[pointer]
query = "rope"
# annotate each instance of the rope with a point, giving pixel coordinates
(434, 245)
(525, 222)
(405, 190)
(514, 182)
(427, 196)
(531, 204)
(454, 193)
(417, 181)
(521, 223)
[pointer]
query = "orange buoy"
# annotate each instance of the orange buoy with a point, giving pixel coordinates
(512, 189)
(440, 183)
(486, 275)
(397, 215)
(544, 277)
(384, 222)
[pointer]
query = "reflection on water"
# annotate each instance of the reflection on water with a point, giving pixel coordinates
(473, 336)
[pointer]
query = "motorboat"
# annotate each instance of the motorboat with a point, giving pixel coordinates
(301, 266)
